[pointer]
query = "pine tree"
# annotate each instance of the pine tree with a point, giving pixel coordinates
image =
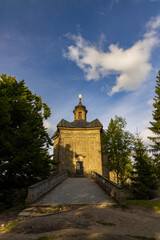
(144, 178)
(155, 126)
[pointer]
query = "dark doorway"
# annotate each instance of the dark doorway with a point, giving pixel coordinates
(79, 168)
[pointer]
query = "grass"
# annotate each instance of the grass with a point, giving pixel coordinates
(105, 223)
(8, 227)
(144, 203)
(80, 235)
(141, 237)
(58, 208)
(51, 209)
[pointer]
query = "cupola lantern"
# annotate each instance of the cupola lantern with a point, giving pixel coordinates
(80, 110)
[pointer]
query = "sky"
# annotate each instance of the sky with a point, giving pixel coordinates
(106, 50)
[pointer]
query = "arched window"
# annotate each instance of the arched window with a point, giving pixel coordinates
(79, 115)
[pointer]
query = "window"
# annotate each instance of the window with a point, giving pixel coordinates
(79, 115)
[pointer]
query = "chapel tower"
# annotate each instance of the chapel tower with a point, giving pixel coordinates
(80, 110)
(77, 144)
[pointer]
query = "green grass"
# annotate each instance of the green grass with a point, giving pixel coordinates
(8, 227)
(105, 223)
(51, 209)
(144, 203)
(58, 208)
(141, 237)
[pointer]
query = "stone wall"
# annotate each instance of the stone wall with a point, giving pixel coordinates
(116, 191)
(75, 145)
(105, 171)
(39, 189)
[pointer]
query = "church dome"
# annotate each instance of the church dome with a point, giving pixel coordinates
(80, 110)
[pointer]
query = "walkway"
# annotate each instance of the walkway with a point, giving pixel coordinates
(77, 191)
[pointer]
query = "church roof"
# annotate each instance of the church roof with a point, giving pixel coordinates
(80, 106)
(55, 133)
(95, 123)
(78, 124)
(64, 123)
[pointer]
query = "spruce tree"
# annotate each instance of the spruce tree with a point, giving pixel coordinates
(117, 145)
(144, 178)
(155, 126)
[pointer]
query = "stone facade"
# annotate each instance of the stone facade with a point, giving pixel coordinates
(77, 145)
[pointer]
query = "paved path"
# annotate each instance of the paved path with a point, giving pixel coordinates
(77, 191)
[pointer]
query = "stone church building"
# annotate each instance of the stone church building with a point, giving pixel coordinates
(77, 144)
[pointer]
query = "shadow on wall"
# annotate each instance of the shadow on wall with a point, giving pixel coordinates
(68, 160)
(63, 156)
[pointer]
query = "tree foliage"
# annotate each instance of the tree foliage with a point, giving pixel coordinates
(155, 125)
(24, 157)
(116, 143)
(144, 178)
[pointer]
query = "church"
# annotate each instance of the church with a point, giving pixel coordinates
(77, 144)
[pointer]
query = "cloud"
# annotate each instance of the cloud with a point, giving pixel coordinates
(49, 127)
(145, 134)
(150, 102)
(154, 23)
(112, 3)
(131, 66)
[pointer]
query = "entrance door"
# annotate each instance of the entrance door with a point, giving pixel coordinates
(79, 168)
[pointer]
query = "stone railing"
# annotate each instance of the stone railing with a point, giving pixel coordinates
(116, 191)
(39, 189)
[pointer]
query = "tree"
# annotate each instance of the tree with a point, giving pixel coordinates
(155, 126)
(116, 143)
(24, 157)
(144, 178)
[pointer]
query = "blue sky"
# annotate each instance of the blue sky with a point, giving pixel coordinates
(107, 50)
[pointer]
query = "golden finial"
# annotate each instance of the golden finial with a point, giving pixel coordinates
(80, 96)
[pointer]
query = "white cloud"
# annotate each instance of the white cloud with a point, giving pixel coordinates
(154, 23)
(145, 134)
(112, 3)
(49, 127)
(150, 102)
(131, 65)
